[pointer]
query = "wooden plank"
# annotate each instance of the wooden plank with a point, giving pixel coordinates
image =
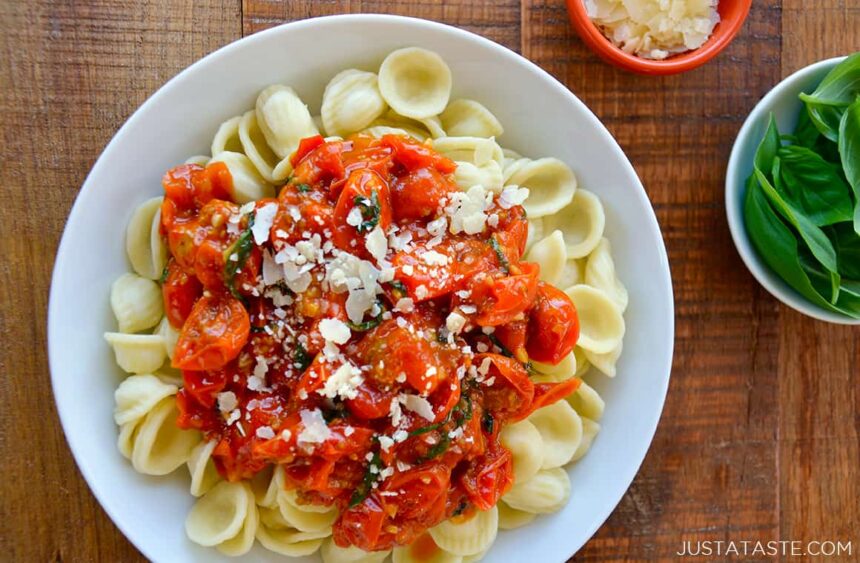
(498, 20)
(819, 364)
(711, 472)
(72, 73)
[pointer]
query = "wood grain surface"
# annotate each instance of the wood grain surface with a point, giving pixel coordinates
(759, 436)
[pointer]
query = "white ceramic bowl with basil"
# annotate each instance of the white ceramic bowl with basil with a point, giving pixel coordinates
(792, 250)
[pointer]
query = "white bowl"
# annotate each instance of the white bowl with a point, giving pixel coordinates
(542, 118)
(784, 103)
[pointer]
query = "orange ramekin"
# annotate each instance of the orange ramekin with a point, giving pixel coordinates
(732, 16)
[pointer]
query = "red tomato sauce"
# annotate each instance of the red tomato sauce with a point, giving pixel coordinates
(395, 421)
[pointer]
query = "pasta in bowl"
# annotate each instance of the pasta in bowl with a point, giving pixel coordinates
(367, 343)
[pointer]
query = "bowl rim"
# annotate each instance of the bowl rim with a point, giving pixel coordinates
(611, 53)
(774, 285)
(63, 259)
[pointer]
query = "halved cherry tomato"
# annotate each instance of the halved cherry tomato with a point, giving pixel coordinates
(553, 325)
(368, 192)
(180, 291)
(306, 145)
(417, 195)
(214, 333)
(512, 232)
(549, 393)
(190, 186)
(502, 300)
(413, 155)
(323, 165)
(204, 386)
(370, 402)
(512, 392)
(489, 477)
(513, 337)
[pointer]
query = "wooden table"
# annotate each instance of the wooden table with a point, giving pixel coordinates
(759, 437)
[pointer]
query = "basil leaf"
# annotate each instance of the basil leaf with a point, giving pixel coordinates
(813, 185)
(778, 247)
(837, 91)
(847, 245)
(849, 152)
(366, 484)
(500, 254)
(301, 358)
(370, 211)
(241, 247)
(805, 132)
(766, 151)
(812, 235)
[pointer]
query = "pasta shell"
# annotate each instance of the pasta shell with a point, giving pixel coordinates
(219, 515)
(137, 395)
(241, 543)
(424, 550)
(146, 250)
(258, 151)
(266, 484)
(589, 432)
(286, 541)
(468, 118)
(204, 476)
(526, 447)
(160, 446)
(351, 102)
(227, 137)
(125, 440)
(581, 222)
(563, 370)
(199, 160)
(601, 326)
(307, 517)
(378, 130)
(587, 402)
(415, 82)
(470, 536)
(137, 353)
(544, 493)
(434, 126)
(284, 120)
(488, 175)
(550, 254)
(511, 518)
(560, 429)
(536, 231)
(475, 150)
(169, 334)
(605, 363)
(511, 167)
(572, 273)
(551, 185)
(600, 273)
(332, 553)
(136, 302)
(582, 364)
(248, 184)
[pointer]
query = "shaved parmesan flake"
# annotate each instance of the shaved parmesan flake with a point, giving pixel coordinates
(265, 432)
(315, 429)
(335, 330)
(455, 322)
(354, 218)
(418, 405)
(377, 244)
(466, 210)
(227, 401)
(511, 196)
(263, 220)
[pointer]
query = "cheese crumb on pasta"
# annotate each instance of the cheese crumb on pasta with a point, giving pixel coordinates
(655, 29)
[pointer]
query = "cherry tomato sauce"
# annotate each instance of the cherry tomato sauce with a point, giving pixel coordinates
(395, 421)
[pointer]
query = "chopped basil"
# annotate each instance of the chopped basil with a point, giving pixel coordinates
(488, 422)
(301, 357)
(369, 212)
(497, 248)
(498, 344)
(439, 448)
(164, 273)
(461, 508)
(258, 329)
(366, 484)
(367, 325)
(303, 188)
(242, 249)
(398, 289)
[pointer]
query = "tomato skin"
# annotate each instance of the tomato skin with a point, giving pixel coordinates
(214, 334)
(513, 337)
(489, 477)
(306, 145)
(322, 165)
(204, 387)
(362, 183)
(190, 186)
(370, 403)
(549, 393)
(553, 325)
(512, 392)
(413, 155)
(502, 300)
(180, 290)
(417, 194)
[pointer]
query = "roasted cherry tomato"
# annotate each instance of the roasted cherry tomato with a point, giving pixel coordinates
(364, 204)
(553, 325)
(214, 333)
(180, 290)
(502, 300)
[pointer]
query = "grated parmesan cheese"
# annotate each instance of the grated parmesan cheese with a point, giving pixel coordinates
(418, 405)
(263, 220)
(655, 29)
(335, 330)
(315, 429)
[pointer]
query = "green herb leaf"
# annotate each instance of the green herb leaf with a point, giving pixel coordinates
(837, 91)
(766, 151)
(164, 273)
(500, 254)
(849, 152)
(242, 249)
(814, 237)
(488, 422)
(847, 245)
(805, 132)
(812, 185)
(366, 484)
(303, 188)
(370, 211)
(301, 358)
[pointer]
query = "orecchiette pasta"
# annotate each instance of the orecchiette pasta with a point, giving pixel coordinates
(332, 553)
(137, 353)
(415, 82)
(136, 303)
(526, 446)
(470, 536)
(146, 250)
(551, 185)
(600, 273)
(204, 476)
(199, 160)
(560, 429)
(242, 542)
(565, 369)
(159, 445)
(351, 102)
(169, 334)
(544, 493)
(587, 402)
(137, 395)
(248, 184)
(589, 432)
(276, 535)
(605, 362)
(535, 232)
(285, 120)
(581, 222)
(572, 273)
(601, 326)
(511, 518)
(219, 516)
(551, 254)
(468, 118)
(227, 137)
(424, 550)
(272, 168)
